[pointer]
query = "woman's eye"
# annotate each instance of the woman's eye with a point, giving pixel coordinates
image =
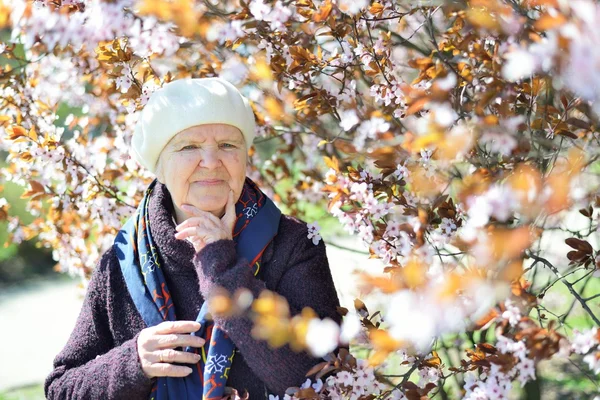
(188, 147)
(228, 145)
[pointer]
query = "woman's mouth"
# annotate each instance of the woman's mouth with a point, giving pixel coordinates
(210, 182)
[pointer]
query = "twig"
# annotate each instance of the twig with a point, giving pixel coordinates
(566, 283)
(346, 248)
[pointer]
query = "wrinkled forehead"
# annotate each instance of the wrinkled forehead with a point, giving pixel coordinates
(201, 133)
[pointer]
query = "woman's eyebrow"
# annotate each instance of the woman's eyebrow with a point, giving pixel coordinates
(185, 139)
(230, 139)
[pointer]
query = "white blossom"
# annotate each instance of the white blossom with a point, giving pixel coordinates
(519, 64)
(322, 336)
(593, 361)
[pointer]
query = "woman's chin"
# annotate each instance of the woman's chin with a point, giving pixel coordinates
(213, 207)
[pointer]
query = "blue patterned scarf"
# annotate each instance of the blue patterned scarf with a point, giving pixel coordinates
(256, 225)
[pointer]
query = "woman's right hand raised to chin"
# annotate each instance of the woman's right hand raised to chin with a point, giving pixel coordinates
(156, 348)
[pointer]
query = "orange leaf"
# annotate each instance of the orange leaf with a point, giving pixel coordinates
(383, 283)
(26, 156)
(15, 132)
(540, 3)
(332, 163)
(547, 22)
(414, 273)
(33, 134)
(382, 340)
(490, 120)
(376, 9)
(417, 105)
(377, 357)
(434, 361)
(507, 244)
(514, 270)
(359, 305)
(559, 194)
(274, 108)
(486, 319)
(36, 190)
(483, 18)
(323, 12)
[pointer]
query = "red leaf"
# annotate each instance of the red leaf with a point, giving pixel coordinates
(317, 368)
(581, 245)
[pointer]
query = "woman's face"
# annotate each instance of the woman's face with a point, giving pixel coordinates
(201, 164)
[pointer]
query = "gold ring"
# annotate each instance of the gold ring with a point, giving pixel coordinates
(160, 357)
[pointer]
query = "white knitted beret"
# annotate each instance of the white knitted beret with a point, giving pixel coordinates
(184, 103)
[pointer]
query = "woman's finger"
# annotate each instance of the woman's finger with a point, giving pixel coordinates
(164, 369)
(197, 232)
(229, 218)
(176, 327)
(204, 220)
(173, 340)
(173, 356)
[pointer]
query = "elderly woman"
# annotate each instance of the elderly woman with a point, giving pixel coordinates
(143, 331)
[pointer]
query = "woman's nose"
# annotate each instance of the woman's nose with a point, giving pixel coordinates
(210, 159)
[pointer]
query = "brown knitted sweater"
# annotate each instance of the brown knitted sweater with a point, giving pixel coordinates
(100, 359)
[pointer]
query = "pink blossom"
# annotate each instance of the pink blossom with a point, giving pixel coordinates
(279, 16)
(313, 233)
(583, 342)
(124, 81)
(526, 368)
(365, 232)
(401, 172)
(403, 244)
(397, 395)
(392, 229)
(259, 9)
(512, 313)
(318, 385)
(369, 129)
(447, 226)
(147, 89)
(352, 7)
(231, 31)
(344, 378)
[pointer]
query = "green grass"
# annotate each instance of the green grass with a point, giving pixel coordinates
(31, 392)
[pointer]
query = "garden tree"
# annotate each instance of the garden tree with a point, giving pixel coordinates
(457, 140)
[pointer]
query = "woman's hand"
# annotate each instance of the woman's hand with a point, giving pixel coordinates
(204, 227)
(156, 348)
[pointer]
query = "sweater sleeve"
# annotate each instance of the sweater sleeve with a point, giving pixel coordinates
(307, 282)
(90, 366)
